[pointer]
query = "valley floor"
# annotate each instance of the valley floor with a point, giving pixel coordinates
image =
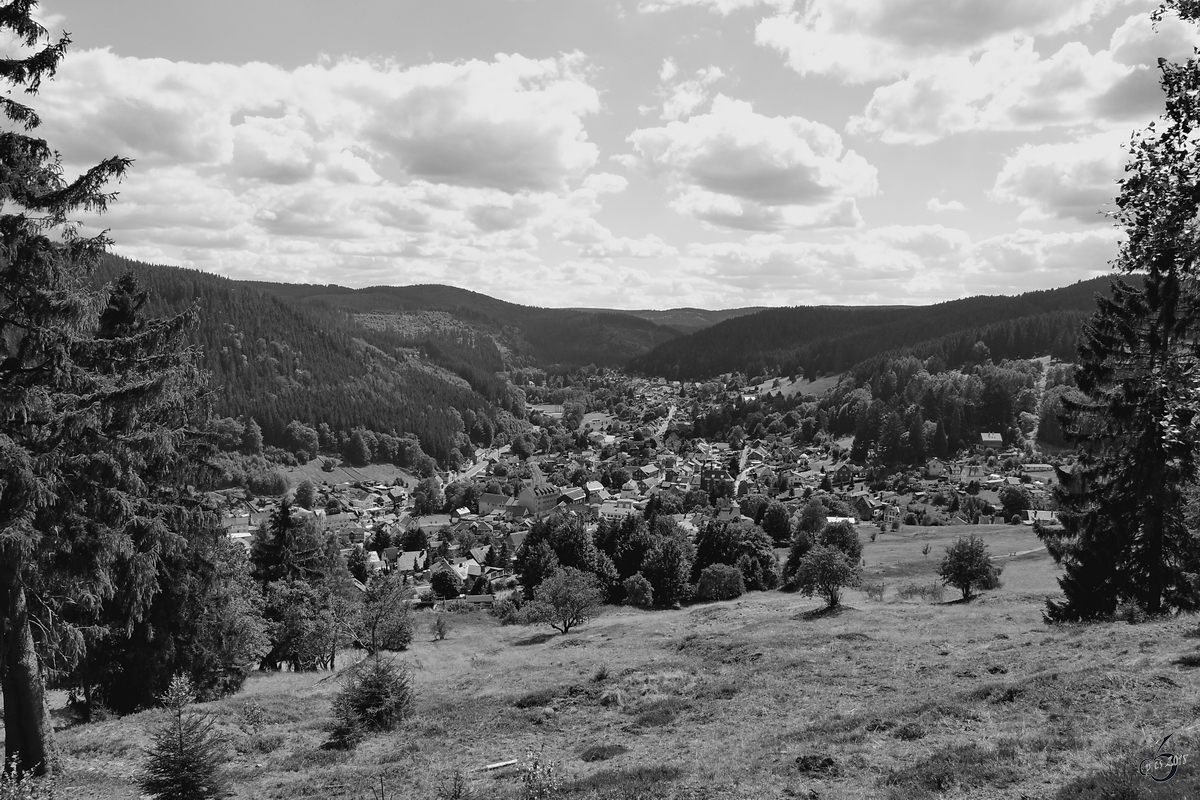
(754, 698)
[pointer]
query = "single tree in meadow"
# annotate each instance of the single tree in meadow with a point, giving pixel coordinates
(967, 566)
(566, 599)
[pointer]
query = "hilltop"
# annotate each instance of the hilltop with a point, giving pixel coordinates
(819, 340)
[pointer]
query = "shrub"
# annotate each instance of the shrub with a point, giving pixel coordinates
(875, 589)
(441, 627)
(966, 566)
(638, 591)
(508, 609)
(377, 696)
(826, 571)
(539, 778)
(720, 582)
(185, 759)
(15, 785)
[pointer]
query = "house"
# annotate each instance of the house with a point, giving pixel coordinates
(646, 472)
(595, 491)
(408, 562)
(616, 510)
(1046, 518)
(934, 468)
(489, 503)
(988, 439)
(538, 499)
(728, 510)
(630, 490)
(574, 497)
(844, 474)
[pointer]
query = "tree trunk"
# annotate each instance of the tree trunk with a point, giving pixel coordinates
(28, 733)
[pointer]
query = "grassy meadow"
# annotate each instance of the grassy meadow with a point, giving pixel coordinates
(761, 697)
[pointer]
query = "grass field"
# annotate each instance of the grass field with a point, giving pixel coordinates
(761, 697)
(374, 473)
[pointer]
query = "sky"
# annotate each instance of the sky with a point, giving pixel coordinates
(617, 153)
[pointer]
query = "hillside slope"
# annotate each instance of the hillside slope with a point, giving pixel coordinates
(818, 340)
(528, 335)
(277, 360)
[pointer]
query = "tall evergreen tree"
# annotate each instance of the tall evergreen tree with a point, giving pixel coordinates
(1124, 537)
(95, 416)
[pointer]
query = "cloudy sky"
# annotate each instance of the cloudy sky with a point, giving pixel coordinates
(620, 153)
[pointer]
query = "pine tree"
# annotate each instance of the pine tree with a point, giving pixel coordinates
(96, 413)
(1124, 537)
(184, 762)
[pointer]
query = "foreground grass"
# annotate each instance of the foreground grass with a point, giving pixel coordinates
(755, 698)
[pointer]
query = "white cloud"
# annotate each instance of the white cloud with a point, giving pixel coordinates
(937, 206)
(870, 40)
(1008, 87)
(1025, 260)
(894, 264)
(623, 247)
(370, 172)
(735, 167)
(684, 97)
(723, 7)
(1067, 180)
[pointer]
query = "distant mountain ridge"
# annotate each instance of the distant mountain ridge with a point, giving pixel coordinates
(819, 340)
(530, 335)
(686, 320)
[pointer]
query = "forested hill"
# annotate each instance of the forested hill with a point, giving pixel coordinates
(818, 340)
(530, 336)
(276, 361)
(686, 320)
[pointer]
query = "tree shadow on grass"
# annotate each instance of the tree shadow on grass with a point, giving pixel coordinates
(824, 612)
(537, 638)
(1191, 661)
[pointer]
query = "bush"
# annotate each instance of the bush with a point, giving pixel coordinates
(720, 582)
(440, 627)
(15, 785)
(508, 609)
(540, 779)
(875, 590)
(377, 696)
(185, 759)
(638, 591)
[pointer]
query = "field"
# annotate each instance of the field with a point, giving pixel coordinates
(372, 473)
(818, 387)
(761, 697)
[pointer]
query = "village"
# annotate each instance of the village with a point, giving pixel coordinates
(637, 462)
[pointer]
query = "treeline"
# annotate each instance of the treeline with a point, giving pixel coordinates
(816, 341)
(276, 362)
